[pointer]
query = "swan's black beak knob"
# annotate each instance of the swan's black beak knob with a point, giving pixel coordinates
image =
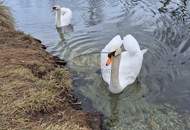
(54, 8)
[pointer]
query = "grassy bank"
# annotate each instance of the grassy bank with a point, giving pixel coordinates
(35, 92)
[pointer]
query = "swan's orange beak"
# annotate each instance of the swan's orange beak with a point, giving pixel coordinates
(109, 61)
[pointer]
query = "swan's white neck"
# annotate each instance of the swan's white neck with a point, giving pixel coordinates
(58, 18)
(115, 86)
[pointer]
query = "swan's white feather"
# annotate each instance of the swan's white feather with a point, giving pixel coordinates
(130, 44)
(66, 16)
(130, 62)
(63, 17)
(130, 66)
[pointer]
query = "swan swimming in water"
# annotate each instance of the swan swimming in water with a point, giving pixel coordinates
(120, 69)
(63, 16)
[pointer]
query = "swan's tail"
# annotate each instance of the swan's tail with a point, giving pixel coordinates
(144, 51)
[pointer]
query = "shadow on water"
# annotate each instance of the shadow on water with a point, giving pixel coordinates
(162, 101)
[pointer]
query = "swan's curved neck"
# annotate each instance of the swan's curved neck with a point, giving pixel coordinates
(58, 17)
(115, 72)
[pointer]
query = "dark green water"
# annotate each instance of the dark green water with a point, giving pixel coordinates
(162, 100)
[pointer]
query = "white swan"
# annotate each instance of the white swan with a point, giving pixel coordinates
(120, 69)
(63, 16)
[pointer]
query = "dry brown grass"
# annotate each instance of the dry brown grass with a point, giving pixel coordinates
(6, 19)
(35, 93)
(26, 99)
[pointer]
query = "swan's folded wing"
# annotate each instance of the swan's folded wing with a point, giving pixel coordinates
(114, 44)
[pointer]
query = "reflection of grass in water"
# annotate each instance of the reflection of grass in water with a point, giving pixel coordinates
(129, 110)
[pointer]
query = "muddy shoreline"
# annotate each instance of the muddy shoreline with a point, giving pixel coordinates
(35, 87)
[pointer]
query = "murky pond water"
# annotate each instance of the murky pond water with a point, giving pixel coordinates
(162, 100)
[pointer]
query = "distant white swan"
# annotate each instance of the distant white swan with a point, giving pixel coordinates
(63, 16)
(120, 69)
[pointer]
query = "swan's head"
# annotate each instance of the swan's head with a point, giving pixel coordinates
(56, 7)
(111, 55)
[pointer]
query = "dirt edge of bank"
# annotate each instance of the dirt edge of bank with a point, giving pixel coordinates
(35, 87)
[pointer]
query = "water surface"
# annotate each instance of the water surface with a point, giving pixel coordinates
(162, 100)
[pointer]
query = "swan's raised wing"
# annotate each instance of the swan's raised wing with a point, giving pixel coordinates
(129, 68)
(130, 44)
(66, 16)
(130, 62)
(114, 44)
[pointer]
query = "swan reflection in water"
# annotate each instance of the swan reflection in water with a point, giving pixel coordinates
(64, 30)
